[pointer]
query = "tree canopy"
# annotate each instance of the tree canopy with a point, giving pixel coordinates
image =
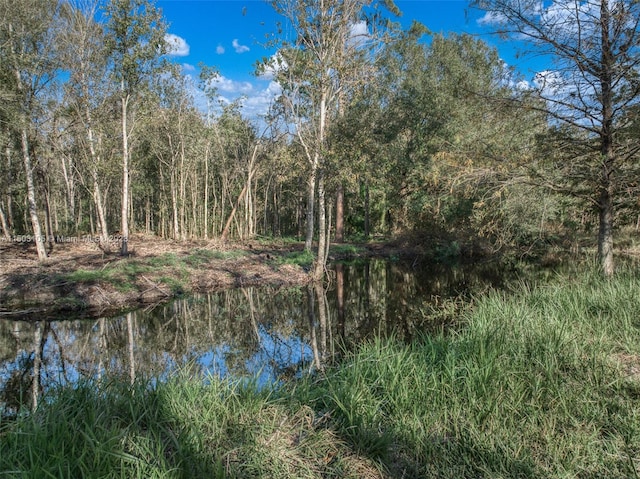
(377, 131)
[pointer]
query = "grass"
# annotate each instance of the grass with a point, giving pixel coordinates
(266, 240)
(124, 274)
(541, 383)
(182, 428)
(302, 258)
(533, 386)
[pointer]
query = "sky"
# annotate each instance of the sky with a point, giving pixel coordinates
(232, 35)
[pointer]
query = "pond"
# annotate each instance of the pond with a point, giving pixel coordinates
(267, 333)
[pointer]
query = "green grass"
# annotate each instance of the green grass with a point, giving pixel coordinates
(276, 240)
(539, 383)
(300, 258)
(230, 254)
(88, 276)
(167, 259)
(123, 274)
(533, 386)
(179, 429)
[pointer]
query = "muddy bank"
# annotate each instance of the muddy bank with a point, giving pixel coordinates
(81, 279)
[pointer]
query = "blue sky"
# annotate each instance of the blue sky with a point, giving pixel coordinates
(232, 35)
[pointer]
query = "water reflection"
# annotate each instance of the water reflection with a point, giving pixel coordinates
(275, 334)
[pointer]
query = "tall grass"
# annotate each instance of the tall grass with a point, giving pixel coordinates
(535, 385)
(183, 428)
(541, 383)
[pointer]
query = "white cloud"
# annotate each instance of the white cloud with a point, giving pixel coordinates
(227, 85)
(220, 49)
(188, 67)
(178, 46)
(276, 64)
(254, 98)
(359, 33)
(558, 18)
(239, 48)
(523, 85)
(257, 104)
(491, 18)
(550, 83)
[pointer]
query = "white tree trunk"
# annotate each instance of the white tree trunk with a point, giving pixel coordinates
(124, 228)
(31, 197)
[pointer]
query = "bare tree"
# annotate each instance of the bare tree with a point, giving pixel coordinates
(83, 45)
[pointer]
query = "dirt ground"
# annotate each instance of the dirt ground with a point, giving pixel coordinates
(31, 289)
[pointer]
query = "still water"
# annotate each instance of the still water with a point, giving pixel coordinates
(272, 334)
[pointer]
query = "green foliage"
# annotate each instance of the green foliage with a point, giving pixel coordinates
(135, 41)
(447, 252)
(420, 135)
(231, 254)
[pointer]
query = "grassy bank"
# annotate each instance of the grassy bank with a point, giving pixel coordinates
(94, 284)
(544, 383)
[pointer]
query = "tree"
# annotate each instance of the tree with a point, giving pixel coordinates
(594, 45)
(29, 64)
(136, 43)
(87, 94)
(327, 56)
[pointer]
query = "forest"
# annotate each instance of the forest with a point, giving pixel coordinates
(417, 263)
(393, 133)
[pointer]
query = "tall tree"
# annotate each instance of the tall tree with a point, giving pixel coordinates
(29, 63)
(595, 47)
(315, 68)
(136, 43)
(87, 93)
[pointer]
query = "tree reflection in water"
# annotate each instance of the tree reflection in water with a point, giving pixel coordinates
(273, 334)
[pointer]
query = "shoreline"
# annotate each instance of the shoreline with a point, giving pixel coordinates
(80, 280)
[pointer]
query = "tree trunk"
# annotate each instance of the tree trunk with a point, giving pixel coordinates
(124, 212)
(3, 223)
(311, 198)
(605, 233)
(47, 218)
(31, 197)
(322, 231)
(174, 205)
(227, 226)
(605, 200)
(205, 217)
(97, 192)
(183, 194)
(340, 214)
(69, 189)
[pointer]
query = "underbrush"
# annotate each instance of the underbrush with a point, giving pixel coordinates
(543, 382)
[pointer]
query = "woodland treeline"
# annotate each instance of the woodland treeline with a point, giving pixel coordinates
(390, 131)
